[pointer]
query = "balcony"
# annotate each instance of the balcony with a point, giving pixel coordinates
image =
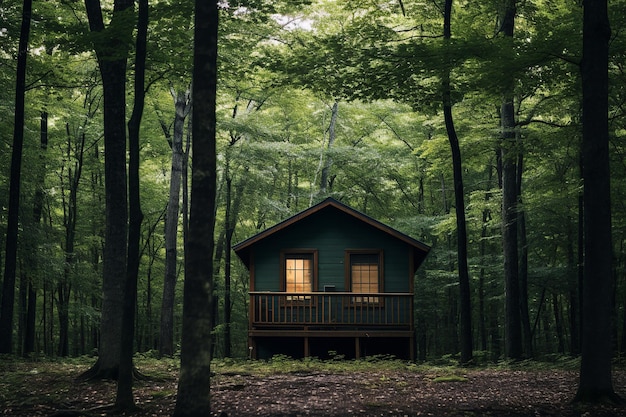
(331, 311)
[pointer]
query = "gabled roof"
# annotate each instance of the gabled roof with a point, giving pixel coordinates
(420, 249)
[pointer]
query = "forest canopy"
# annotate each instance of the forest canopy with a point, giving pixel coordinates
(315, 99)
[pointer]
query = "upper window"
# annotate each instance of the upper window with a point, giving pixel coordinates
(299, 270)
(364, 274)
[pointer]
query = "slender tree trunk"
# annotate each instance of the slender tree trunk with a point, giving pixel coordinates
(44, 317)
(325, 183)
(482, 310)
(581, 252)
(595, 382)
(21, 316)
(513, 328)
(459, 199)
(10, 260)
(573, 292)
(227, 269)
(182, 106)
(482, 319)
(112, 56)
(558, 322)
(523, 263)
(29, 331)
(124, 400)
(193, 397)
(70, 215)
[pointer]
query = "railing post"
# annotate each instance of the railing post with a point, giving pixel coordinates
(251, 311)
(337, 309)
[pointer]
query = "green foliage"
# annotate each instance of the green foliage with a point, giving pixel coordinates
(450, 378)
(390, 159)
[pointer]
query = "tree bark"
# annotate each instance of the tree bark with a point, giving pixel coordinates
(111, 46)
(595, 382)
(193, 397)
(29, 331)
(513, 327)
(573, 291)
(182, 107)
(523, 263)
(124, 400)
(227, 268)
(459, 199)
(70, 216)
(10, 261)
(325, 183)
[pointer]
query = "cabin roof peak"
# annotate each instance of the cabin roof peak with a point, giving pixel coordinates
(242, 249)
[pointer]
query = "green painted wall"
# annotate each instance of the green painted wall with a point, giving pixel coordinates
(331, 232)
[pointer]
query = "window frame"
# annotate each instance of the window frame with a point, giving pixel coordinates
(286, 254)
(348, 275)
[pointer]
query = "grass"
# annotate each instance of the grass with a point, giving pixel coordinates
(450, 378)
(15, 371)
(26, 383)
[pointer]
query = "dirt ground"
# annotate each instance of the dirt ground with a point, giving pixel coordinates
(472, 392)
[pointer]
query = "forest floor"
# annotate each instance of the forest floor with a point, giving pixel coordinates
(309, 388)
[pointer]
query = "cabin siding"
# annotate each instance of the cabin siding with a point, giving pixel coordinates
(353, 324)
(331, 234)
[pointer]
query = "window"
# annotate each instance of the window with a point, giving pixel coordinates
(364, 271)
(299, 273)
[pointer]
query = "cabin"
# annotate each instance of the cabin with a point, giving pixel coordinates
(331, 281)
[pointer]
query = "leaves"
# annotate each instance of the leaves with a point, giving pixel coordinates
(336, 388)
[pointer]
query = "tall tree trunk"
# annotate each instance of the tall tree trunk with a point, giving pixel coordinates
(581, 249)
(182, 107)
(595, 382)
(459, 199)
(325, 182)
(523, 262)
(29, 331)
(111, 50)
(124, 400)
(70, 215)
(10, 260)
(193, 397)
(513, 327)
(21, 313)
(482, 318)
(573, 292)
(482, 308)
(227, 268)
(558, 322)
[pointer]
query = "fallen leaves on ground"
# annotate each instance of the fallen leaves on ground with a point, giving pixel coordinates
(472, 392)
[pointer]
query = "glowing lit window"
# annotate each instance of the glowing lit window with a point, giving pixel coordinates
(365, 276)
(299, 274)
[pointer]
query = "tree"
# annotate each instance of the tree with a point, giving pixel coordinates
(193, 396)
(38, 201)
(111, 45)
(124, 399)
(10, 262)
(508, 157)
(182, 106)
(325, 180)
(70, 217)
(596, 383)
(459, 199)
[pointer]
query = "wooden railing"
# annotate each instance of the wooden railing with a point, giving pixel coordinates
(331, 309)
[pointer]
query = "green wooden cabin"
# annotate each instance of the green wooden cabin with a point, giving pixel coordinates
(331, 279)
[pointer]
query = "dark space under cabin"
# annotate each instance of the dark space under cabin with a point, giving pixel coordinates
(331, 279)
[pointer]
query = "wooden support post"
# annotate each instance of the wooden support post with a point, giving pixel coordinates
(357, 348)
(252, 347)
(307, 350)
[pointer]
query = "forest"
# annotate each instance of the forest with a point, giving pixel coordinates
(461, 124)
